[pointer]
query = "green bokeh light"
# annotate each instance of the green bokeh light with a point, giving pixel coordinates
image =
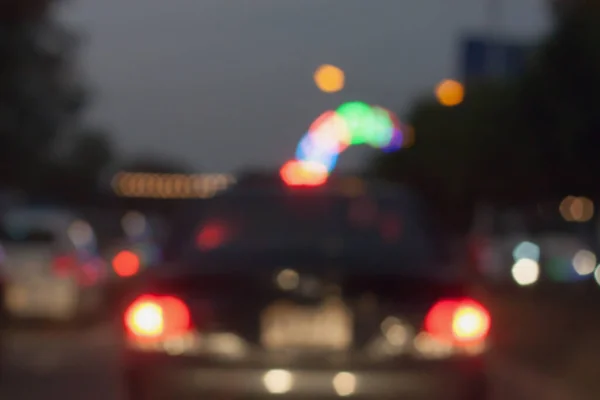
(382, 128)
(358, 117)
(560, 269)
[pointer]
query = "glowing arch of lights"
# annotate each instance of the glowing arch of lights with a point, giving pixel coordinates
(352, 123)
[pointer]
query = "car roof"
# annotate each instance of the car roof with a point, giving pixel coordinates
(55, 219)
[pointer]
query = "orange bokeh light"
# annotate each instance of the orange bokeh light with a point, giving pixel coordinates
(450, 93)
(304, 173)
(329, 78)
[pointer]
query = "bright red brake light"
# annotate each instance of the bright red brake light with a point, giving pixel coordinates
(157, 317)
(458, 321)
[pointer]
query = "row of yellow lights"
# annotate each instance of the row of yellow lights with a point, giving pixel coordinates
(170, 186)
(181, 186)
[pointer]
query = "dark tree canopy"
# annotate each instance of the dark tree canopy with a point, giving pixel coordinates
(530, 139)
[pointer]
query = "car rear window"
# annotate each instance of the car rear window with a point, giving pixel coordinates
(390, 232)
(26, 236)
(31, 226)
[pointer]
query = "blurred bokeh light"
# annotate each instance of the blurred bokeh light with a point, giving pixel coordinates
(81, 234)
(358, 117)
(450, 93)
(332, 129)
(318, 150)
(576, 209)
(527, 250)
(584, 262)
(329, 78)
(304, 173)
(211, 236)
(352, 123)
(396, 141)
(597, 274)
(126, 263)
(560, 269)
(134, 224)
(525, 271)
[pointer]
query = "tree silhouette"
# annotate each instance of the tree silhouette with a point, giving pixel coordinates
(530, 140)
(45, 147)
(559, 99)
(517, 142)
(39, 93)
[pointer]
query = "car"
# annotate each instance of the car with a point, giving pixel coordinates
(305, 293)
(514, 248)
(51, 271)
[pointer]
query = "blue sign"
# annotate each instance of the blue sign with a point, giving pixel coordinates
(483, 57)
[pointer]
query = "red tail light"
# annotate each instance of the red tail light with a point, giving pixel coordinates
(157, 317)
(458, 321)
(126, 263)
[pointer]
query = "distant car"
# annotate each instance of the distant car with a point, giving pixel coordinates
(49, 266)
(554, 250)
(135, 246)
(305, 294)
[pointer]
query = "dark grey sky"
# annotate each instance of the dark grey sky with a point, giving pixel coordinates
(224, 84)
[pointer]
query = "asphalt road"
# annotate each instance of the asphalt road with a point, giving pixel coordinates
(61, 365)
(84, 364)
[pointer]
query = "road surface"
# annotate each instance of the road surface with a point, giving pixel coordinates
(61, 365)
(75, 365)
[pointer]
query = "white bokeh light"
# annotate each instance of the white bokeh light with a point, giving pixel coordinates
(81, 233)
(525, 271)
(134, 223)
(584, 262)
